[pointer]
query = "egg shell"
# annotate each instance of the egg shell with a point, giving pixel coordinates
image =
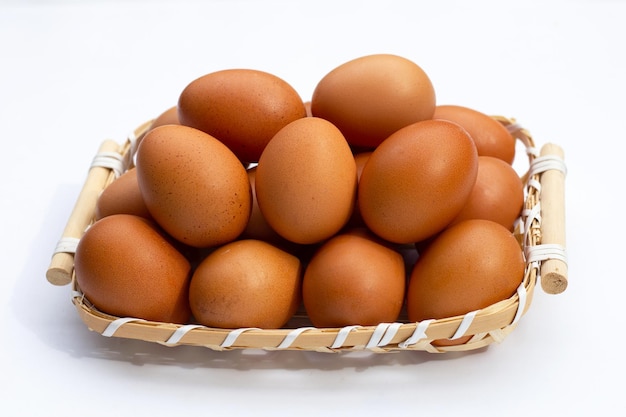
(416, 181)
(490, 136)
(257, 227)
(168, 117)
(306, 181)
(193, 185)
(498, 194)
(354, 279)
(469, 266)
(127, 268)
(360, 158)
(370, 97)
(246, 283)
(244, 108)
(122, 196)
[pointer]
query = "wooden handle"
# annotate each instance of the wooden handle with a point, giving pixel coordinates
(553, 271)
(62, 263)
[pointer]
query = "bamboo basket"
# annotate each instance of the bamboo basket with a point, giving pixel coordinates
(540, 231)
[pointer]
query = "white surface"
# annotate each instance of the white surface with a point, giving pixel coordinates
(76, 72)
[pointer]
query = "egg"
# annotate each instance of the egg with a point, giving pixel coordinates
(243, 108)
(490, 136)
(354, 279)
(122, 196)
(498, 194)
(360, 158)
(416, 181)
(257, 227)
(195, 188)
(469, 266)
(168, 117)
(306, 181)
(127, 268)
(370, 97)
(246, 283)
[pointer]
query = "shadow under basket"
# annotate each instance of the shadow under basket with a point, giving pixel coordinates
(540, 230)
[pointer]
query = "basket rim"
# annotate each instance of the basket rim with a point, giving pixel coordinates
(487, 325)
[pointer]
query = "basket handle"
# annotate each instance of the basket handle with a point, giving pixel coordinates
(61, 266)
(554, 269)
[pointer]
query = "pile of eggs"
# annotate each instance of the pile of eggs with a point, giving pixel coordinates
(247, 203)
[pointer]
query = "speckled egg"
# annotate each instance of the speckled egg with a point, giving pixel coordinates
(122, 196)
(416, 181)
(306, 181)
(246, 283)
(127, 268)
(469, 266)
(490, 136)
(243, 108)
(195, 188)
(354, 278)
(370, 97)
(498, 194)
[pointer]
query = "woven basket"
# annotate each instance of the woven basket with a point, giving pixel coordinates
(540, 231)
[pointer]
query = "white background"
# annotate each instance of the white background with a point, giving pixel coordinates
(74, 73)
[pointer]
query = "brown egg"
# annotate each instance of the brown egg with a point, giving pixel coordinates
(243, 108)
(194, 187)
(371, 97)
(246, 283)
(257, 227)
(306, 181)
(498, 194)
(469, 266)
(417, 181)
(490, 136)
(168, 117)
(354, 278)
(360, 158)
(122, 196)
(127, 268)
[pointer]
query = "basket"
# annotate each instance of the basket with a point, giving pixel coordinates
(540, 231)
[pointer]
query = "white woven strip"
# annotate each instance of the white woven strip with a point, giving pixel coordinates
(531, 150)
(180, 333)
(546, 251)
(377, 336)
(465, 324)
(342, 335)
(513, 127)
(66, 245)
(230, 339)
(391, 331)
(116, 324)
(418, 334)
(530, 215)
(532, 182)
(132, 139)
(111, 160)
(292, 336)
(546, 163)
(521, 293)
